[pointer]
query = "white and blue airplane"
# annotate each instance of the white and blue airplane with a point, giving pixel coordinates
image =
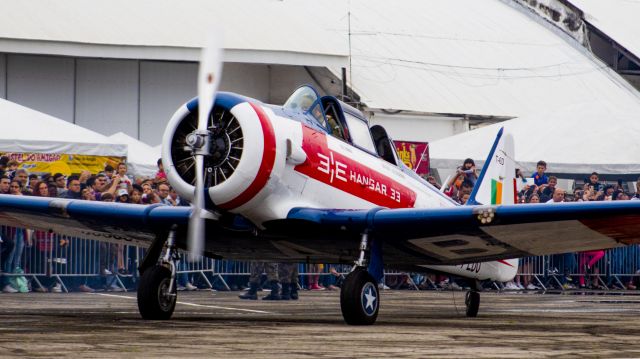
(310, 181)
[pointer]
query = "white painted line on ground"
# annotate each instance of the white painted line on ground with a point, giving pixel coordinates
(226, 308)
(568, 310)
(194, 304)
(114, 295)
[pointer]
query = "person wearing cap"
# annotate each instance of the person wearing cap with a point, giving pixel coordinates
(122, 196)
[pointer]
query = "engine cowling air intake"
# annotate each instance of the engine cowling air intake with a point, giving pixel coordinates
(240, 154)
(225, 147)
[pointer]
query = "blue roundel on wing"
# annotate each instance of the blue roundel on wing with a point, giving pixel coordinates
(369, 298)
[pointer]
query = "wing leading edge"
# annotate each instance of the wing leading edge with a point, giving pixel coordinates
(135, 224)
(481, 233)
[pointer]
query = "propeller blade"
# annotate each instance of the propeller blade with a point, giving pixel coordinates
(208, 79)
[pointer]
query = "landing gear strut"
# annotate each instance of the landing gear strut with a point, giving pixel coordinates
(359, 296)
(157, 294)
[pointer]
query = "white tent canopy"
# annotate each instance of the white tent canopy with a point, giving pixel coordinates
(142, 158)
(29, 131)
(576, 139)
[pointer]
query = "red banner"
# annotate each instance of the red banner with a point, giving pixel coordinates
(415, 155)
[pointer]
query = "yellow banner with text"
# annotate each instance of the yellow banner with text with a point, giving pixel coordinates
(66, 164)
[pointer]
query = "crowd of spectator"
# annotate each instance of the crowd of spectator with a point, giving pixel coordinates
(116, 185)
(110, 185)
(541, 188)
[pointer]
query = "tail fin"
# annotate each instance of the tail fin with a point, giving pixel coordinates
(496, 184)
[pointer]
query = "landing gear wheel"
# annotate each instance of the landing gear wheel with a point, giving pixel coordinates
(154, 300)
(359, 298)
(472, 301)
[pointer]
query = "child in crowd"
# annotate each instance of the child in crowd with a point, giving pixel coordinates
(539, 177)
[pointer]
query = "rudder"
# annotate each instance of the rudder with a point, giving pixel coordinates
(496, 183)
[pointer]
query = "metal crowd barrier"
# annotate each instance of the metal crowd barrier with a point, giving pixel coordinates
(48, 258)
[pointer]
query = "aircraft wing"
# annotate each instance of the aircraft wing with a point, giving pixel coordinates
(468, 234)
(409, 236)
(133, 224)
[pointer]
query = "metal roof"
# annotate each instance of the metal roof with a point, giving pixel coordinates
(262, 31)
(491, 57)
(472, 57)
(616, 18)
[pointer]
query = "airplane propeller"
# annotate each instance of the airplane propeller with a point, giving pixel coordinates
(208, 81)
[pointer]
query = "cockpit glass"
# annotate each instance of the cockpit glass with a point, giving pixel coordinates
(360, 134)
(306, 100)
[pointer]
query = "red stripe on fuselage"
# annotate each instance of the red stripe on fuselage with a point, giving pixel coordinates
(266, 165)
(505, 262)
(344, 173)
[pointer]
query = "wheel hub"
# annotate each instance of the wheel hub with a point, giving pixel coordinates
(369, 298)
(165, 299)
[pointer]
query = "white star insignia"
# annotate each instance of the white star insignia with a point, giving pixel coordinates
(371, 299)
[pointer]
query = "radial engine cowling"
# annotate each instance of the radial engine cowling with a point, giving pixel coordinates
(240, 156)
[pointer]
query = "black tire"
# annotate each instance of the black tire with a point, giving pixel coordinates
(472, 301)
(154, 303)
(360, 298)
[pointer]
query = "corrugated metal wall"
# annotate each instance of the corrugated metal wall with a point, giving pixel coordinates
(135, 97)
(43, 83)
(107, 96)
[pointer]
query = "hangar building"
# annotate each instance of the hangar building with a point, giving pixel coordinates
(426, 70)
